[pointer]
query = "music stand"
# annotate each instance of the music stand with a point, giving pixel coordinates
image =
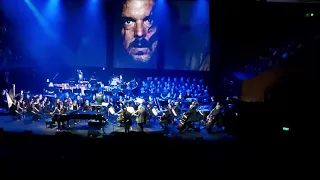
(87, 92)
(77, 91)
(94, 92)
(108, 93)
(121, 94)
(69, 91)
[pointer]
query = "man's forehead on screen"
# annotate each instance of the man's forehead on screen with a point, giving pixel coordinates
(138, 8)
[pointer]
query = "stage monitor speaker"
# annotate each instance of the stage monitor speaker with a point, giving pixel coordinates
(27, 132)
(199, 139)
(197, 129)
(1, 131)
(94, 133)
(63, 133)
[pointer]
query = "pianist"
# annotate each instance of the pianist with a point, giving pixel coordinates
(87, 106)
(99, 98)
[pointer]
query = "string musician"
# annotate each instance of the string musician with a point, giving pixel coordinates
(151, 113)
(13, 107)
(193, 115)
(20, 109)
(120, 114)
(214, 118)
(47, 109)
(30, 108)
(166, 119)
(36, 110)
(75, 106)
(176, 111)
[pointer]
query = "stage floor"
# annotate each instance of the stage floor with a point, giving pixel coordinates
(82, 129)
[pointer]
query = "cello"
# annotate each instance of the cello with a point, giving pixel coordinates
(182, 125)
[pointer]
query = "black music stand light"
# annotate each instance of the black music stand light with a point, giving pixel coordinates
(121, 94)
(69, 91)
(108, 93)
(87, 92)
(77, 91)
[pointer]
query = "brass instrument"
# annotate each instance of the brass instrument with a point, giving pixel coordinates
(121, 116)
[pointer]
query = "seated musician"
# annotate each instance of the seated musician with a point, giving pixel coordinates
(62, 109)
(111, 111)
(192, 115)
(29, 108)
(166, 119)
(216, 118)
(80, 101)
(150, 112)
(66, 104)
(47, 109)
(67, 98)
(20, 109)
(87, 106)
(176, 110)
(99, 98)
(75, 105)
(13, 107)
(56, 102)
(36, 110)
(56, 109)
(120, 114)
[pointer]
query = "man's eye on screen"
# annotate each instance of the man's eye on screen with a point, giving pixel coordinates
(148, 21)
(128, 22)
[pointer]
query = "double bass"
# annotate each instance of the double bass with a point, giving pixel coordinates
(210, 118)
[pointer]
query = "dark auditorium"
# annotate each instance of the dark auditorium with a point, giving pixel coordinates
(187, 82)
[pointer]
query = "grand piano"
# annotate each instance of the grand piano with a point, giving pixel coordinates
(62, 119)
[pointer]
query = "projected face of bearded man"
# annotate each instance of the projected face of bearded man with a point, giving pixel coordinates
(139, 30)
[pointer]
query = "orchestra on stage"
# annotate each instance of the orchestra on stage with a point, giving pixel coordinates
(181, 103)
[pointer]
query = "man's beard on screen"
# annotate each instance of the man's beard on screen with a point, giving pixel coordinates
(141, 49)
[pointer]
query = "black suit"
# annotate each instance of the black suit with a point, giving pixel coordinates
(165, 120)
(127, 120)
(193, 116)
(213, 104)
